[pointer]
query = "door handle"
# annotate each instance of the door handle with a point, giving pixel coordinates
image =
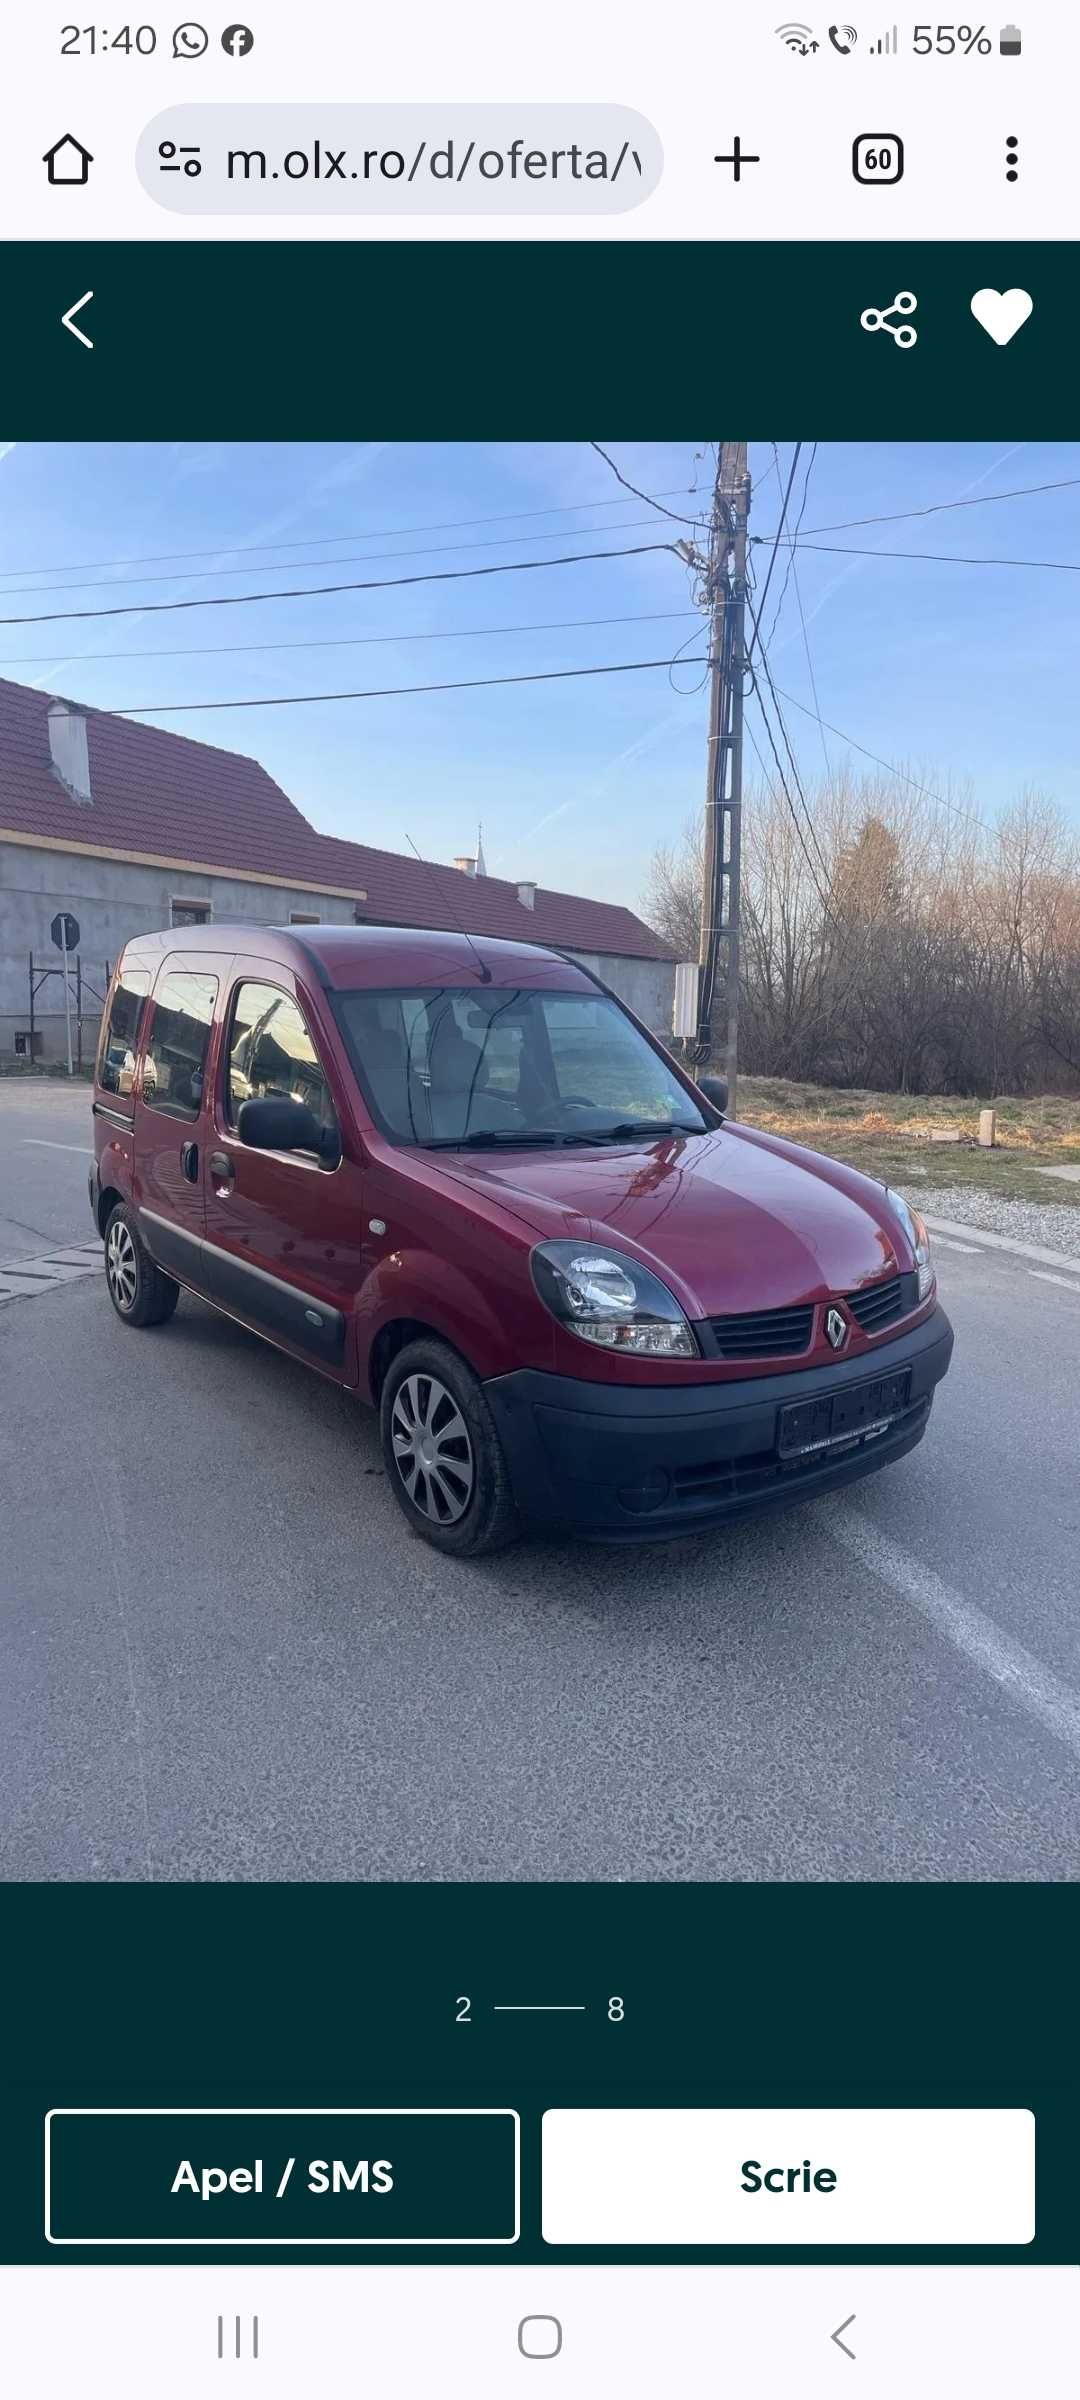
(189, 1161)
(222, 1170)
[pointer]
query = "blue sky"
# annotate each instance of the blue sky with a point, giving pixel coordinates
(956, 672)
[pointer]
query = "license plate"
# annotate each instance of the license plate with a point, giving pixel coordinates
(850, 1415)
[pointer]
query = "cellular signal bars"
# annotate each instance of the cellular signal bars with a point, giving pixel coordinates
(886, 45)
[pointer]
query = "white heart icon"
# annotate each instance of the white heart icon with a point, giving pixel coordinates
(1001, 314)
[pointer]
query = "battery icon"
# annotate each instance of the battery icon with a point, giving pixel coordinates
(1011, 43)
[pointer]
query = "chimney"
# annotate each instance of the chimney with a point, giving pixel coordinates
(68, 748)
(465, 866)
(527, 895)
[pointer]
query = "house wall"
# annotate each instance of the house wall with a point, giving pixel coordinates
(646, 984)
(113, 900)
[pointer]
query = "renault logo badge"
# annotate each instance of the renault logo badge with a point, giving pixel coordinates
(836, 1328)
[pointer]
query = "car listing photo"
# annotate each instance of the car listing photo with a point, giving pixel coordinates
(539, 1164)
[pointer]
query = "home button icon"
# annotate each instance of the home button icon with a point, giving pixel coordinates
(540, 2337)
(68, 161)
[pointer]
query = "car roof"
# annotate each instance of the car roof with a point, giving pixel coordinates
(359, 957)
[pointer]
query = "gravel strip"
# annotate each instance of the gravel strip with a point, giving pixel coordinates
(1055, 1228)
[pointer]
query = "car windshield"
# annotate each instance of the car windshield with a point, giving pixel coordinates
(482, 1066)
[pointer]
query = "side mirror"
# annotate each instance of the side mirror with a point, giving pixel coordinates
(715, 1088)
(279, 1125)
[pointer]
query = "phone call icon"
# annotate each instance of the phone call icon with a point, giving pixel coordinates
(843, 39)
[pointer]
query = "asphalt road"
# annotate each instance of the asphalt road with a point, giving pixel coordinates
(224, 1655)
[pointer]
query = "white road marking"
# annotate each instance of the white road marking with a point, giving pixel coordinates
(25, 1278)
(974, 1635)
(1042, 1275)
(33, 1141)
(1000, 1241)
(966, 1249)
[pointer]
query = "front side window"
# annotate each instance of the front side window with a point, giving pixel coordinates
(481, 1065)
(174, 1069)
(119, 1044)
(271, 1056)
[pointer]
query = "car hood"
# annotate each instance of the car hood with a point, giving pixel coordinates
(735, 1219)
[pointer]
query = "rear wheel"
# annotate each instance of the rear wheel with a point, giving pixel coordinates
(140, 1293)
(442, 1453)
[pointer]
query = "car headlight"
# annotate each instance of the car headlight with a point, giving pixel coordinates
(918, 1237)
(609, 1299)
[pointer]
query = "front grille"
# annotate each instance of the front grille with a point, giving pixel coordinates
(877, 1304)
(765, 1333)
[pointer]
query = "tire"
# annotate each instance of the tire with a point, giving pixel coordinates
(465, 1507)
(140, 1293)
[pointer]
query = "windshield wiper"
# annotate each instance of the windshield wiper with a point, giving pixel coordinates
(487, 1139)
(641, 1125)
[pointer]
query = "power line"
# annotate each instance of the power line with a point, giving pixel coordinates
(113, 583)
(806, 809)
(778, 611)
(755, 687)
(386, 583)
(639, 495)
(388, 533)
(938, 508)
(775, 552)
(395, 691)
(810, 671)
(358, 641)
(767, 670)
(943, 558)
(898, 773)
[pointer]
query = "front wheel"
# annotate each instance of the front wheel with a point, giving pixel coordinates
(140, 1293)
(442, 1453)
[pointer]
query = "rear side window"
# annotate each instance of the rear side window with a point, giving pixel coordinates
(271, 1055)
(175, 1065)
(119, 1044)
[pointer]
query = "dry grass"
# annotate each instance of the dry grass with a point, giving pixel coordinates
(879, 1132)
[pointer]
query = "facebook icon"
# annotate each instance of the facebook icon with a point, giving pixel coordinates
(238, 40)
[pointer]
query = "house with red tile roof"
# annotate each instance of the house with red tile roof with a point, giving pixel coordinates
(131, 829)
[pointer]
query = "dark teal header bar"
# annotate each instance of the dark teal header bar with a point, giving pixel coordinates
(541, 340)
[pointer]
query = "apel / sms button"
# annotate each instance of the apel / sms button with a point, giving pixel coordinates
(281, 2178)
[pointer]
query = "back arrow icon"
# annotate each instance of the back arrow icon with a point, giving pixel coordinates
(77, 330)
(835, 2337)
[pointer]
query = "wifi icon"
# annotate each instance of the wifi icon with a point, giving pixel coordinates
(799, 38)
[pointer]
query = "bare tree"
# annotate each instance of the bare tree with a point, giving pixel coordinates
(902, 944)
(672, 901)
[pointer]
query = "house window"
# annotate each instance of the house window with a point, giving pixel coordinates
(190, 912)
(297, 917)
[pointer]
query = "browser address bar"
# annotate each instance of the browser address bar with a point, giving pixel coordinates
(355, 159)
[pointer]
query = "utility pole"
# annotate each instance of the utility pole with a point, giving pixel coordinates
(725, 595)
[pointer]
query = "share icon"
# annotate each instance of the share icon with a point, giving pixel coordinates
(879, 320)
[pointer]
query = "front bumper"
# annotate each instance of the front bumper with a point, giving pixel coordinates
(620, 1462)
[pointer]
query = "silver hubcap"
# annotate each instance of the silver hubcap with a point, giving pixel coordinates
(432, 1450)
(121, 1266)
